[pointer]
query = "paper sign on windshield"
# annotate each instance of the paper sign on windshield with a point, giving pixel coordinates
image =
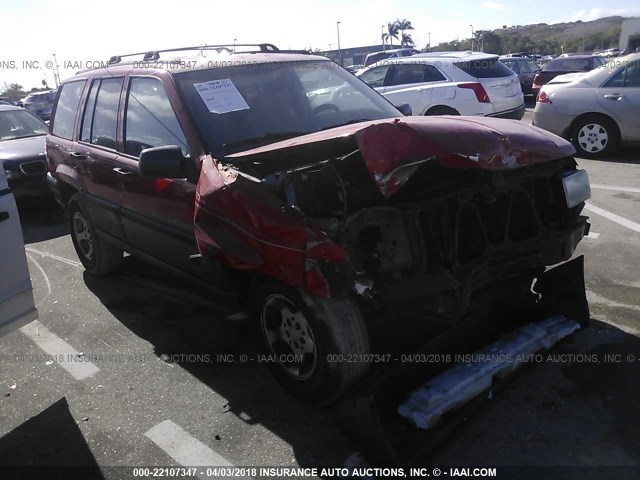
(221, 96)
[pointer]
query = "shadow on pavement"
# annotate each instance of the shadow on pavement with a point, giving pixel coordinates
(180, 317)
(42, 219)
(46, 442)
(570, 410)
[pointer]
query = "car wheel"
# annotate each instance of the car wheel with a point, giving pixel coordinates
(97, 256)
(310, 342)
(595, 137)
(442, 110)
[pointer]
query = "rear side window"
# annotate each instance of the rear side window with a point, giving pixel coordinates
(105, 117)
(87, 118)
(68, 102)
(150, 121)
(513, 65)
(485, 68)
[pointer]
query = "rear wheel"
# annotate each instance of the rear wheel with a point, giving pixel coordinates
(595, 137)
(317, 347)
(97, 256)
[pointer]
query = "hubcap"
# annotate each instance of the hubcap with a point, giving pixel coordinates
(82, 235)
(593, 138)
(289, 337)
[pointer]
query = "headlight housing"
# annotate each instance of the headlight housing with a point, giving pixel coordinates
(576, 187)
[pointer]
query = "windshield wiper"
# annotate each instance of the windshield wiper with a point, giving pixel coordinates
(267, 137)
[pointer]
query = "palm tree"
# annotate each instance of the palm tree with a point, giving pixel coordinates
(407, 41)
(392, 28)
(401, 26)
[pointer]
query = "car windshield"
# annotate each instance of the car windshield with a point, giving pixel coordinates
(575, 64)
(19, 124)
(247, 106)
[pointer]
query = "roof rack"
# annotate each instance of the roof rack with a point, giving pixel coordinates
(155, 54)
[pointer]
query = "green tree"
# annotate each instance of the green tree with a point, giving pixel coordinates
(401, 26)
(407, 41)
(392, 32)
(13, 91)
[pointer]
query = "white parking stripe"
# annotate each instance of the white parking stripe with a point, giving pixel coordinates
(615, 188)
(593, 235)
(183, 448)
(613, 217)
(55, 257)
(63, 353)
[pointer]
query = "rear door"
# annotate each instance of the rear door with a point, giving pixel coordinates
(157, 214)
(96, 154)
(17, 307)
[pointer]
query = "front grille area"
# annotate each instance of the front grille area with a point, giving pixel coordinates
(468, 228)
(37, 167)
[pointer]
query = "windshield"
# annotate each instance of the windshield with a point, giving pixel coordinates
(18, 124)
(242, 107)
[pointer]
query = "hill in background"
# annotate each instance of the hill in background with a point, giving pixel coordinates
(541, 38)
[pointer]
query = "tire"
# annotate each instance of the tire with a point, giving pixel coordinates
(97, 256)
(318, 330)
(442, 110)
(595, 136)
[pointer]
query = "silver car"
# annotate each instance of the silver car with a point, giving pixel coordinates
(597, 111)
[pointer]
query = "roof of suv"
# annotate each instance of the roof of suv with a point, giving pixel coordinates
(202, 57)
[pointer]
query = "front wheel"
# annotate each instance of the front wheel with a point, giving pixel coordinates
(317, 348)
(97, 256)
(595, 137)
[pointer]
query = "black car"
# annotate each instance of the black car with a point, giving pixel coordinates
(40, 103)
(22, 140)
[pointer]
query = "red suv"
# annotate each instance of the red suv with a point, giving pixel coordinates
(350, 228)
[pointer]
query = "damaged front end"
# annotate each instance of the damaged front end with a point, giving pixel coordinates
(441, 229)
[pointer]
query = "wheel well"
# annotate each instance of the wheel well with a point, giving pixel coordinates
(569, 132)
(441, 109)
(67, 191)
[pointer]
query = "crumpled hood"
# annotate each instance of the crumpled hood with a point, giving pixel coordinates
(393, 149)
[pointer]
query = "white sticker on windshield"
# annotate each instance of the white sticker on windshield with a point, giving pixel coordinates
(221, 96)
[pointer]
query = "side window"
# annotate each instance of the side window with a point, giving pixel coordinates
(105, 117)
(150, 121)
(513, 66)
(432, 74)
(632, 76)
(617, 81)
(404, 74)
(375, 77)
(68, 102)
(87, 117)
(524, 66)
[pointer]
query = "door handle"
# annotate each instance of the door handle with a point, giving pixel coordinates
(77, 154)
(614, 96)
(4, 216)
(122, 171)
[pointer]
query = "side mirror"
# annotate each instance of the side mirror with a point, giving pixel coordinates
(163, 162)
(405, 109)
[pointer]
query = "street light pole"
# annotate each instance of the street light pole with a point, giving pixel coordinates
(382, 37)
(471, 37)
(339, 50)
(429, 41)
(234, 45)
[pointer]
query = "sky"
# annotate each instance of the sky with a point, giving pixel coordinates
(85, 31)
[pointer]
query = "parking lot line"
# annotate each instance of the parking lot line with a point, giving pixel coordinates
(60, 351)
(55, 257)
(615, 188)
(184, 448)
(613, 217)
(593, 235)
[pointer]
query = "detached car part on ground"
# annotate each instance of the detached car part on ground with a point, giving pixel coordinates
(358, 235)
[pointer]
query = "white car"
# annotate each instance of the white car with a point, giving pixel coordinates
(16, 295)
(596, 110)
(449, 83)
